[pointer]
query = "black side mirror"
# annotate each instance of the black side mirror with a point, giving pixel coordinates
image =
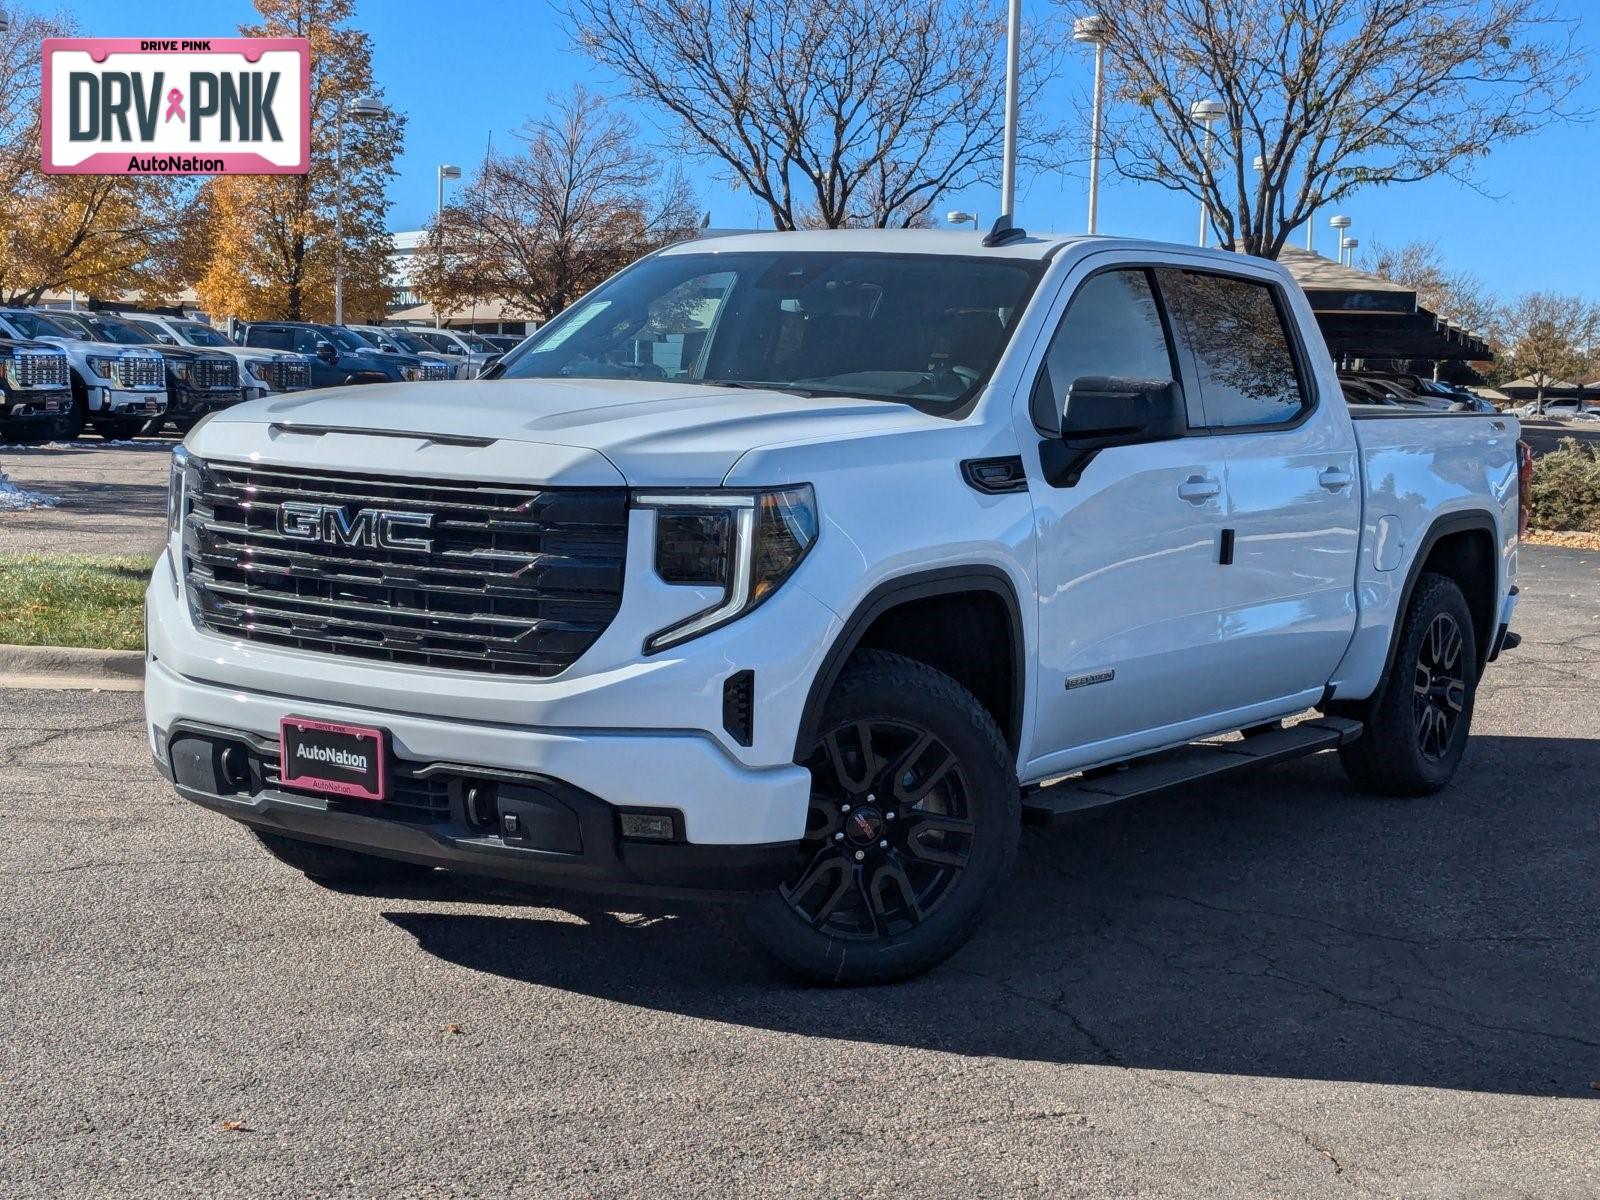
(327, 351)
(1101, 412)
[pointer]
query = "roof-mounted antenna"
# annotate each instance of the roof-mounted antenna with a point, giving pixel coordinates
(1003, 232)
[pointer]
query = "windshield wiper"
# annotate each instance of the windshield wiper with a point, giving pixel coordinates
(755, 385)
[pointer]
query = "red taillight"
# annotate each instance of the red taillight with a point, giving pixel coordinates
(1524, 488)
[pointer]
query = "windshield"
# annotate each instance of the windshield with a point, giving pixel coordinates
(919, 329)
(407, 341)
(32, 325)
(197, 334)
(103, 329)
(347, 339)
(438, 341)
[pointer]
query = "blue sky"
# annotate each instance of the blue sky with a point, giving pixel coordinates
(472, 69)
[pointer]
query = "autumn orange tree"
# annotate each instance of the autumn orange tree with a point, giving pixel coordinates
(272, 247)
(93, 234)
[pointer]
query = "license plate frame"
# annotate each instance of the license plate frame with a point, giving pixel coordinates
(322, 770)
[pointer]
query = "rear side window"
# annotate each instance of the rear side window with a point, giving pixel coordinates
(271, 339)
(1113, 329)
(1235, 328)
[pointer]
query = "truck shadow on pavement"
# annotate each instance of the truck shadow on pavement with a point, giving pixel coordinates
(1280, 925)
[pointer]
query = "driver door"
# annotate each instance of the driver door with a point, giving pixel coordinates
(1131, 609)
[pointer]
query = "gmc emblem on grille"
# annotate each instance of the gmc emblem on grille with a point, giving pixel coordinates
(335, 525)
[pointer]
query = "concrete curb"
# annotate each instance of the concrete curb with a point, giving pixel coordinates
(71, 667)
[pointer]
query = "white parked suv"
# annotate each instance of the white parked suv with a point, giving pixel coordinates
(789, 566)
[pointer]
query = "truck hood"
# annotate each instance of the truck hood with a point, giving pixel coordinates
(654, 433)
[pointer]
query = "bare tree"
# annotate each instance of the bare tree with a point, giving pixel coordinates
(540, 227)
(1547, 335)
(830, 112)
(1332, 95)
(1454, 295)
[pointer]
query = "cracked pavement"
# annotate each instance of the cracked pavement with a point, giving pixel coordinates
(1269, 987)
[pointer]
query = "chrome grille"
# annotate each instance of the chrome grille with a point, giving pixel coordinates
(39, 369)
(519, 580)
(434, 370)
(143, 374)
(214, 374)
(286, 375)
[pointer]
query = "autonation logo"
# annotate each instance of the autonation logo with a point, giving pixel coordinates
(168, 106)
(329, 757)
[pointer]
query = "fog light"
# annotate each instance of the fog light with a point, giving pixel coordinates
(649, 827)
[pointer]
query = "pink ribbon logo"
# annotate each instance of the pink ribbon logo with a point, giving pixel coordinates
(175, 106)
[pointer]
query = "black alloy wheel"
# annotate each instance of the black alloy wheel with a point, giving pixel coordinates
(1415, 727)
(1440, 686)
(912, 824)
(889, 830)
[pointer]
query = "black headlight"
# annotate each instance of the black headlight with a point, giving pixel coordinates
(694, 546)
(746, 543)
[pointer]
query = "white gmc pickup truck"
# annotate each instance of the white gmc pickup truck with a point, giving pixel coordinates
(803, 567)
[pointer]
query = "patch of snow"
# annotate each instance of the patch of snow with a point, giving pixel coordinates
(14, 499)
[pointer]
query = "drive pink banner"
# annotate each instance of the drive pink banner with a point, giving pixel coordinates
(177, 106)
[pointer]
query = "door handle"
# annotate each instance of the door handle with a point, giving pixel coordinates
(1197, 489)
(1335, 479)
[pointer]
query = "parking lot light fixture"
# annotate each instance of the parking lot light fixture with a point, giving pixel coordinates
(1348, 246)
(1204, 112)
(1092, 29)
(360, 108)
(5, 21)
(1340, 223)
(956, 217)
(446, 171)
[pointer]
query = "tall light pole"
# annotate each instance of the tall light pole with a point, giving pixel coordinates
(1348, 245)
(1092, 29)
(1340, 223)
(446, 171)
(956, 217)
(5, 21)
(1008, 165)
(361, 108)
(1204, 112)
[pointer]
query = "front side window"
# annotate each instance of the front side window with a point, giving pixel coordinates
(1235, 329)
(1112, 329)
(924, 330)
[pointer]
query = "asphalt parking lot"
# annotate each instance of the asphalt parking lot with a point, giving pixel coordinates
(1274, 987)
(111, 497)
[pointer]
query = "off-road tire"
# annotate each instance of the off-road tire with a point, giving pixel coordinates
(1401, 751)
(337, 868)
(902, 695)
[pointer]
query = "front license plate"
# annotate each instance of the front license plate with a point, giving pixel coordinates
(152, 406)
(341, 760)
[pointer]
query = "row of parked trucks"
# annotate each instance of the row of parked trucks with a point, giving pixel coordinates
(123, 374)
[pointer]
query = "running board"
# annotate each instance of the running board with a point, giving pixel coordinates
(1187, 764)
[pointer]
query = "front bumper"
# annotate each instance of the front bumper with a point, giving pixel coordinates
(721, 801)
(107, 400)
(562, 837)
(34, 407)
(188, 402)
